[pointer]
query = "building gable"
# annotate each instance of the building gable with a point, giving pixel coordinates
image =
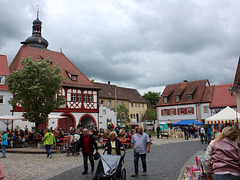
(186, 93)
(57, 58)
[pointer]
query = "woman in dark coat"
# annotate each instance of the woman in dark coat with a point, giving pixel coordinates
(113, 145)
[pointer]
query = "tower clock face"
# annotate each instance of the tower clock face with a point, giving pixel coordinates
(39, 41)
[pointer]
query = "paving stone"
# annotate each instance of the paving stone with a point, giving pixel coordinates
(165, 160)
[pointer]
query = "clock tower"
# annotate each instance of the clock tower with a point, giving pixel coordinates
(36, 40)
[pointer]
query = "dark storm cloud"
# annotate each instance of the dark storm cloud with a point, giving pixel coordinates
(140, 44)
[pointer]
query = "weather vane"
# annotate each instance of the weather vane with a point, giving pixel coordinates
(37, 11)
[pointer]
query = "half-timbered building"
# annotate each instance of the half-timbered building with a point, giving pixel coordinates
(81, 94)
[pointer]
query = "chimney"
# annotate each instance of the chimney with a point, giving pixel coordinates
(92, 80)
(109, 82)
(185, 80)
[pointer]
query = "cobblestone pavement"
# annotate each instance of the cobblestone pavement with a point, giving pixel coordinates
(165, 162)
(37, 166)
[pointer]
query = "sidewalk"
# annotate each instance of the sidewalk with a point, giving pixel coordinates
(191, 162)
(31, 163)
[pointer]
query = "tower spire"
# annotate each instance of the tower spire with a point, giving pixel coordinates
(36, 40)
(37, 11)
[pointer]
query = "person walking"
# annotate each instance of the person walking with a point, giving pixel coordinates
(113, 145)
(141, 146)
(202, 133)
(185, 130)
(87, 144)
(223, 153)
(158, 131)
(48, 141)
(4, 143)
(209, 133)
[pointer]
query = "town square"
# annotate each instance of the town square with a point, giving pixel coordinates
(119, 89)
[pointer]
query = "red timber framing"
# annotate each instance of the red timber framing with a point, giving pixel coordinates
(78, 100)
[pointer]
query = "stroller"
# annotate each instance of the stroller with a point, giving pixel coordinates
(110, 167)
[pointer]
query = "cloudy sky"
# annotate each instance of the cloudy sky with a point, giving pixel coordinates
(142, 44)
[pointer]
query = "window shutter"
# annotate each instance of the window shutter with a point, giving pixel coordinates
(185, 110)
(174, 111)
(178, 111)
(192, 110)
(162, 112)
(168, 112)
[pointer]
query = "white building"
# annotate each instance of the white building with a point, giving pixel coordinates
(185, 101)
(106, 116)
(5, 95)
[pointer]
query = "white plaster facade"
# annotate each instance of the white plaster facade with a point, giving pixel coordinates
(52, 122)
(5, 107)
(106, 114)
(198, 113)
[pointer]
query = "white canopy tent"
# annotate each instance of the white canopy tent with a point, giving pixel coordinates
(224, 116)
(8, 119)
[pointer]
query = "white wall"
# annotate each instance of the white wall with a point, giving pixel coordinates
(51, 123)
(205, 115)
(5, 107)
(110, 114)
(176, 118)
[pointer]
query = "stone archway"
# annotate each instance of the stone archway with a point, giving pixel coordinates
(87, 120)
(66, 123)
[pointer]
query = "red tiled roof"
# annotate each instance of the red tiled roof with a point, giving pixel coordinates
(58, 58)
(200, 89)
(207, 96)
(221, 96)
(108, 92)
(4, 71)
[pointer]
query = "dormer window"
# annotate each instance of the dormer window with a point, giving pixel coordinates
(189, 97)
(165, 100)
(74, 78)
(72, 75)
(177, 98)
(2, 80)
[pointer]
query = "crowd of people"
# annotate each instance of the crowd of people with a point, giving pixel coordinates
(86, 140)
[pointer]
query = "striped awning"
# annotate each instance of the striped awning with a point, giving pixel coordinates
(220, 122)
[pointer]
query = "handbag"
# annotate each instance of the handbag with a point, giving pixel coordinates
(96, 156)
(4, 142)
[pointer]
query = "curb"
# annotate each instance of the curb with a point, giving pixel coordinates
(191, 162)
(33, 151)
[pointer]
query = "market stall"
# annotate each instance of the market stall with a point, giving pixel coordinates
(227, 115)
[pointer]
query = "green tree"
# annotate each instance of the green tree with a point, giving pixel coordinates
(153, 97)
(150, 115)
(122, 113)
(35, 86)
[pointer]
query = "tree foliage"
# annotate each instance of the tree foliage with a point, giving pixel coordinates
(153, 97)
(122, 112)
(35, 86)
(150, 115)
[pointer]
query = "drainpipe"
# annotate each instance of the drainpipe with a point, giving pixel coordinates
(197, 112)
